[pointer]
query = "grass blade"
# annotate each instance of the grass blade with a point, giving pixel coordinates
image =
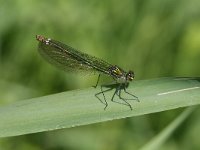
(159, 140)
(80, 107)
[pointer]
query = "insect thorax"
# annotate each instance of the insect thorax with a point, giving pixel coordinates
(118, 74)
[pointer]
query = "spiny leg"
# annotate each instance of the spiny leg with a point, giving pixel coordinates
(97, 80)
(126, 103)
(136, 98)
(102, 92)
(112, 99)
(118, 92)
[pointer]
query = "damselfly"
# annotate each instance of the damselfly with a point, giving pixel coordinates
(68, 58)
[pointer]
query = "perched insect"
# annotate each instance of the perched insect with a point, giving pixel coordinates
(68, 58)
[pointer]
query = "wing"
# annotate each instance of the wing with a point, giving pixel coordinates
(68, 58)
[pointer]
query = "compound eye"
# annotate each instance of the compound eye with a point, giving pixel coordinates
(130, 75)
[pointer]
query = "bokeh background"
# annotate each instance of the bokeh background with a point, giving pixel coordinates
(155, 38)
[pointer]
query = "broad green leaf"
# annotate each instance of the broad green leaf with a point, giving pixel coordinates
(81, 107)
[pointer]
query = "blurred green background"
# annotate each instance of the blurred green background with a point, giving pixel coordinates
(155, 38)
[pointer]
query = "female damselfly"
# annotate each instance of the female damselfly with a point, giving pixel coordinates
(68, 58)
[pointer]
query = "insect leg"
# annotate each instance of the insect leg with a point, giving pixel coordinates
(126, 103)
(97, 80)
(102, 92)
(135, 97)
(118, 92)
